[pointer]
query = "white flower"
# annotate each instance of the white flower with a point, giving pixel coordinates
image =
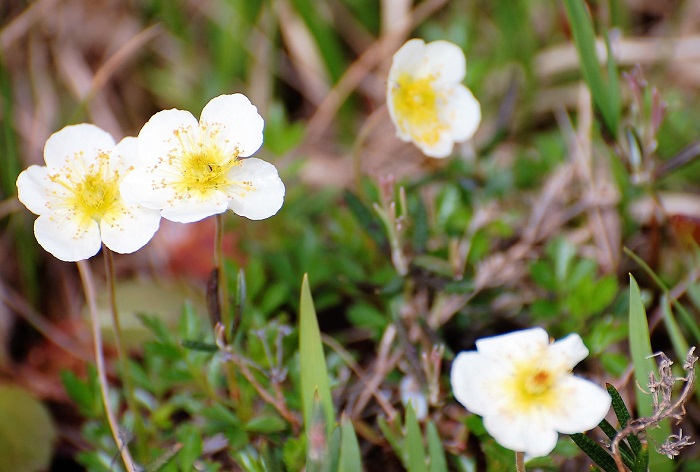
(76, 195)
(410, 391)
(191, 170)
(426, 99)
(523, 388)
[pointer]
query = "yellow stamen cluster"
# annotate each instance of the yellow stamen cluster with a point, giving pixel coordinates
(90, 193)
(534, 384)
(203, 166)
(415, 104)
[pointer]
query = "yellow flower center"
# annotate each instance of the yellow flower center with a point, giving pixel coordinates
(203, 166)
(90, 193)
(533, 385)
(415, 105)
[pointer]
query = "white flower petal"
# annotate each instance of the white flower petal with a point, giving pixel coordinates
(188, 210)
(461, 112)
(445, 61)
(125, 153)
(241, 124)
(407, 59)
(513, 345)
(265, 195)
(584, 405)
(143, 187)
(522, 433)
(129, 229)
(473, 378)
(440, 148)
(32, 188)
(65, 239)
(84, 139)
(157, 139)
(570, 349)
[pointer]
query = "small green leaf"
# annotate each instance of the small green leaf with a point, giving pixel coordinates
(438, 463)
(314, 373)
(597, 454)
(350, 456)
(199, 346)
(414, 451)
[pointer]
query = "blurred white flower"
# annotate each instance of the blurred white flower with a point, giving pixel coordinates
(426, 99)
(411, 391)
(76, 195)
(524, 389)
(191, 170)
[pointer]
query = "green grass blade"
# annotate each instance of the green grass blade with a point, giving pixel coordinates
(350, 456)
(314, 373)
(640, 349)
(438, 463)
(584, 37)
(680, 345)
(413, 446)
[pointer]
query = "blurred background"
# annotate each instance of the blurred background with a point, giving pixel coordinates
(316, 70)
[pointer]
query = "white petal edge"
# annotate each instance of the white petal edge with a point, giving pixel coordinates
(32, 188)
(440, 149)
(445, 61)
(521, 434)
(571, 349)
(584, 406)
(156, 139)
(125, 153)
(242, 125)
(143, 187)
(407, 59)
(131, 231)
(82, 138)
(189, 210)
(267, 194)
(515, 345)
(61, 237)
(474, 380)
(462, 112)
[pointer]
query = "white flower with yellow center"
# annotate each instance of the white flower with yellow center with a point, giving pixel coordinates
(524, 389)
(194, 169)
(426, 99)
(76, 195)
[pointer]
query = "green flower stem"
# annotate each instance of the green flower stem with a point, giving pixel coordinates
(520, 461)
(122, 352)
(89, 289)
(222, 294)
(222, 283)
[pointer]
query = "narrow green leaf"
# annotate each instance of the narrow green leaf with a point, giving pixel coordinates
(625, 450)
(199, 346)
(597, 454)
(421, 228)
(350, 456)
(413, 446)
(640, 350)
(584, 37)
(680, 345)
(367, 218)
(642, 462)
(623, 416)
(438, 463)
(314, 373)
